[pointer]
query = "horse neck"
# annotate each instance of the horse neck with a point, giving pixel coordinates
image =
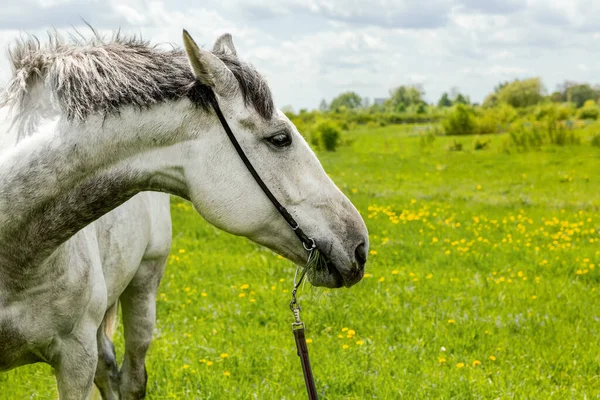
(55, 183)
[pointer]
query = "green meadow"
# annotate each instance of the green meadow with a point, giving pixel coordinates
(482, 283)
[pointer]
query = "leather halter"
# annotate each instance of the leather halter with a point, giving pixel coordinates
(307, 242)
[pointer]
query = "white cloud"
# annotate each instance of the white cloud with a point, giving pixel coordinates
(313, 49)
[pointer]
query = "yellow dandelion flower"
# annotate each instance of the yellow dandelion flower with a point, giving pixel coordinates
(381, 279)
(181, 251)
(244, 286)
(476, 363)
(373, 252)
(273, 287)
(534, 297)
(203, 294)
(359, 342)
(209, 363)
(451, 321)
(460, 365)
(344, 329)
(226, 373)
(187, 289)
(441, 360)
(367, 275)
(281, 280)
(242, 295)
(224, 355)
(309, 340)
(345, 346)
(492, 358)
(351, 332)
(429, 276)
(185, 366)
(252, 300)
(395, 272)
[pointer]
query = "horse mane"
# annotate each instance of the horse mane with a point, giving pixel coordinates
(87, 76)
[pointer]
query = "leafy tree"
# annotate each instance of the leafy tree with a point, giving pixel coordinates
(460, 99)
(521, 93)
(444, 101)
(350, 100)
(579, 94)
(556, 97)
(460, 122)
(407, 95)
(491, 100)
(500, 86)
(401, 108)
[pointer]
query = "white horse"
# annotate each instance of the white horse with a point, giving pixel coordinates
(94, 125)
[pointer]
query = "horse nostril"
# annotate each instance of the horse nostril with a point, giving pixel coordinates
(360, 255)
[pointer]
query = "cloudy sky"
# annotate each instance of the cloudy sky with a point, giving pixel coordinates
(315, 49)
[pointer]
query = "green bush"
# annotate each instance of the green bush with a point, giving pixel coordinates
(328, 133)
(461, 121)
(596, 140)
(525, 135)
(559, 134)
(589, 110)
(565, 111)
(479, 144)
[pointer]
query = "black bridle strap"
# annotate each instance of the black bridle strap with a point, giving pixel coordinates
(306, 241)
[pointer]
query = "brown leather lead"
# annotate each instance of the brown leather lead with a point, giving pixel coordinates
(303, 354)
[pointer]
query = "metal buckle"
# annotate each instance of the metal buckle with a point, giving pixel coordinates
(311, 247)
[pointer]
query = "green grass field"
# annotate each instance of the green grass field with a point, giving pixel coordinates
(482, 282)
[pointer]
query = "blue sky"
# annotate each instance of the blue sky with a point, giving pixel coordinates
(310, 49)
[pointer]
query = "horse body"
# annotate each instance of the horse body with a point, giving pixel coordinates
(79, 228)
(80, 283)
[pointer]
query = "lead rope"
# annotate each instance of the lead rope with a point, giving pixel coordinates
(307, 242)
(298, 329)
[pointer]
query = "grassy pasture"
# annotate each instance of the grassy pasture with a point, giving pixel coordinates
(482, 283)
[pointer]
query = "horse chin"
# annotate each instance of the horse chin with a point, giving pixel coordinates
(329, 278)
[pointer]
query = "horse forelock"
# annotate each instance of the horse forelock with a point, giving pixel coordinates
(96, 76)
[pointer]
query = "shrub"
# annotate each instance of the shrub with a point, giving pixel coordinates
(328, 133)
(596, 140)
(461, 121)
(525, 135)
(565, 111)
(559, 134)
(589, 110)
(479, 144)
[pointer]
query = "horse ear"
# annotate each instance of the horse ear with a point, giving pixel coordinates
(224, 44)
(209, 69)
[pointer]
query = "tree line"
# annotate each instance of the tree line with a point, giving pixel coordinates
(518, 93)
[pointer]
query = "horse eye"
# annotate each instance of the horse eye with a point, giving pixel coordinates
(280, 140)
